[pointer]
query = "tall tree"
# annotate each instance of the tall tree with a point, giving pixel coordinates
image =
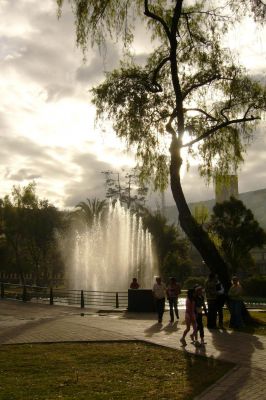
(90, 210)
(238, 232)
(28, 226)
(126, 187)
(14, 219)
(43, 221)
(190, 83)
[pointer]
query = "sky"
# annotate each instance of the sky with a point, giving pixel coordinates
(47, 124)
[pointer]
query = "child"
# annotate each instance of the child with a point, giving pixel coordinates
(200, 307)
(190, 316)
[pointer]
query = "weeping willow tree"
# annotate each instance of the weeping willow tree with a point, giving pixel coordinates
(190, 86)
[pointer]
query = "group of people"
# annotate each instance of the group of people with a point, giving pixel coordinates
(216, 299)
(195, 304)
(160, 291)
(196, 307)
(215, 295)
(172, 291)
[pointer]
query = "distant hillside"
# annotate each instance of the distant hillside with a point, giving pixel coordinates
(256, 201)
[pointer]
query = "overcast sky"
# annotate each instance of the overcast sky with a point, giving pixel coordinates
(47, 131)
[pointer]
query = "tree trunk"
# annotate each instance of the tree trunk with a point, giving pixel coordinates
(193, 230)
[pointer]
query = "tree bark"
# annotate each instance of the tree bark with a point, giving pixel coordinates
(193, 230)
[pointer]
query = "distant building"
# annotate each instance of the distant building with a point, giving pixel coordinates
(226, 186)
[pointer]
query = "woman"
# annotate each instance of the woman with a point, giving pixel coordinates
(235, 304)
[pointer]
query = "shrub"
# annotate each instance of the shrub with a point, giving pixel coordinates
(194, 280)
(255, 286)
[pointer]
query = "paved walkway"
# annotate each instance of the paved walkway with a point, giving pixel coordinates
(34, 323)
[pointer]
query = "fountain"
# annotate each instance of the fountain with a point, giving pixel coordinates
(109, 254)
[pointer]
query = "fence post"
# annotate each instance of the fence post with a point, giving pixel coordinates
(24, 294)
(2, 290)
(82, 299)
(116, 300)
(51, 296)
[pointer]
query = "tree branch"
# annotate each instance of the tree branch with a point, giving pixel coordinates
(150, 14)
(218, 127)
(200, 84)
(192, 35)
(228, 108)
(248, 109)
(169, 127)
(202, 112)
(215, 12)
(156, 72)
(176, 17)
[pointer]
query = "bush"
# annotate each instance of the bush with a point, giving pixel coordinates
(172, 266)
(194, 280)
(255, 286)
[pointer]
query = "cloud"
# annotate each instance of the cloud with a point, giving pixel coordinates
(19, 145)
(21, 175)
(92, 72)
(39, 49)
(27, 160)
(57, 91)
(66, 176)
(90, 183)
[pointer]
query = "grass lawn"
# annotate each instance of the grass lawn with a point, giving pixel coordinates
(259, 326)
(124, 370)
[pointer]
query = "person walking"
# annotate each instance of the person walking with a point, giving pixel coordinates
(190, 317)
(211, 295)
(200, 306)
(159, 291)
(173, 291)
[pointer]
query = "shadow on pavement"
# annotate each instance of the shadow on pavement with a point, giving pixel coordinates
(139, 316)
(151, 330)
(237, 348)
(171, 328)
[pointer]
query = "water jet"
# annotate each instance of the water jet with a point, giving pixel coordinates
(111, 251)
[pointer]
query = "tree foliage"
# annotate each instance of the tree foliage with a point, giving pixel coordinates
(28, 226)
(90, 210)
(171, 248)
(125, 186)
(238, 232)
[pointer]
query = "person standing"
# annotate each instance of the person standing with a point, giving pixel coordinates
(173, 291)
(211, 295)
(220, 300)
(134, 284)
(235, 304)
(159, 291)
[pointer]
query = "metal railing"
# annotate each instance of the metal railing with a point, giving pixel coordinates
(87, 298)
(46, 295)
